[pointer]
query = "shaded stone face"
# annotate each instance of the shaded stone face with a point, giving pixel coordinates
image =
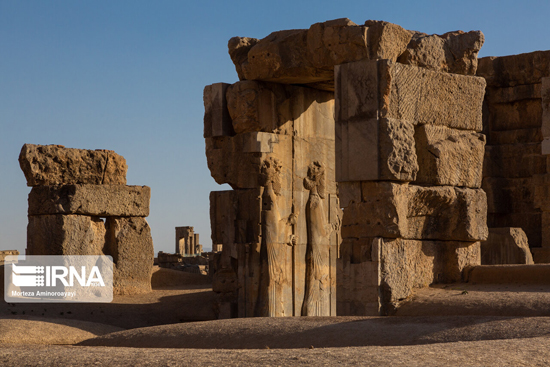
(506, 246)
(515, 167)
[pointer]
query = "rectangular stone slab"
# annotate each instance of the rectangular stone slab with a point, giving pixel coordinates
(92, 200)
(385, 89)
(57, 165)
(395, 210)
(217, 121)
(449, 156)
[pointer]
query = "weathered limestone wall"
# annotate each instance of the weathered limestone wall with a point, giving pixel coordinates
(80, 205)
(408, 162)
(516, 172)
(279, 227)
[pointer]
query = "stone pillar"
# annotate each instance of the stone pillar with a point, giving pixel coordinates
(198, 247)
(283, 213)
(80, 205)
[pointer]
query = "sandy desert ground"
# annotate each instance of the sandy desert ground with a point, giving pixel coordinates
(456, 324)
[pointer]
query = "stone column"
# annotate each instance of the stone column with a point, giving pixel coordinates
(274, 134)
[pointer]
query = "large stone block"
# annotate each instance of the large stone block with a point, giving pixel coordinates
(92, 200)
(394, 210)
(257, 106)
(381, 212)
(519, 136)
(358, 281)
(308, 56)
(449, 156)
(531, 223)
(506, 246)
(375, 150)
(452, 52)
(409, 264)
(65, 235)
(447, 213)
(509, 71)
(510, 195)
(130, 244)
(523, 114)
(416, 95)
(514, 160)
(217, 121)
(57, 165)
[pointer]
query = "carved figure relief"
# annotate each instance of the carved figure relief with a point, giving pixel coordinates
(317, 293)
(275, 239)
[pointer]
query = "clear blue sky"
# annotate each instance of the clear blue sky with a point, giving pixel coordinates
(129, 76)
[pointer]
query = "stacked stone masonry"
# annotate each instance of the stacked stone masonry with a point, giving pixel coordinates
(409, 158)
(516, 172)
(408, 123)
(79, 204)
(280, 225)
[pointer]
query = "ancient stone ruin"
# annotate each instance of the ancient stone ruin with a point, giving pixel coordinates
(80, 205)
(516, 172)
(187, 242)
(382, 111)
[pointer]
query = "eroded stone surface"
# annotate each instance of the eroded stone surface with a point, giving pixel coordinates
(385, 89)
(65, 235)
(130, 244)
(394, 210)
(449, 157)
(57, 165)
(409, 264)
(91, 200)
(375, 150)
(308, 56)
(452, 52)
